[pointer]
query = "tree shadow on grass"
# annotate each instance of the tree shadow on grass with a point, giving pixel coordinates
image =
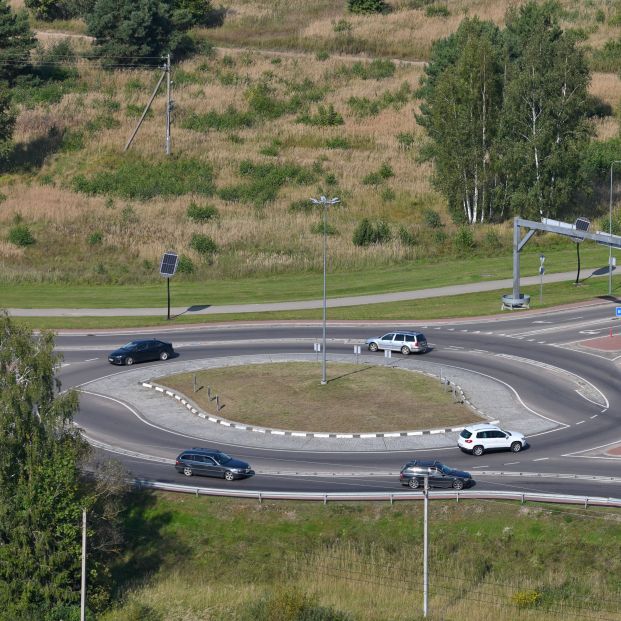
(146, 547)
(29, 156)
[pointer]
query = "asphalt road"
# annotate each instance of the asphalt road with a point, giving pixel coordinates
(536, 354)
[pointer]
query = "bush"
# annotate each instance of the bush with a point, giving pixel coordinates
(405, 140)
(261, 101)
(375, 70)
(230, 119)
(491, 240)
(367, 233)
(366, 6)
(95, 238)
(338, 143)
(438, 10)
(203, 244)
(201, 213)
(138, 178)
(464, 239)
(375, 178)
(326, 116)
(406, 237)
(272, 149)
(20, 235)
(185, 265)
(291, 606)
(432, 219)
(301, 206)
(526, 599)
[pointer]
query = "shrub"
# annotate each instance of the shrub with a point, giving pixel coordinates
(491, 240)
(526, 599)
(388, 194)
(262, 102)
(437, 10)
(366, 6)
(321, 56)
(464, 239)
(291, 606)
(73, 140)
(201, 213)
(405, 140)
(375, 178)
(341, 26)
(203, 244)
(375, 70)
(138, 178)
(318, 228)
(230, 119)
(326, 116)
(338, 143)
(20, 235)
(185, 265)
(432, 218)
(367, 233)
(406, 237)
(95, 238)
(272, 149)
(385, 171)
(303, 205)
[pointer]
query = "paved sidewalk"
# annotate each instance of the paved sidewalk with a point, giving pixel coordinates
(398, 296)
(490, 398)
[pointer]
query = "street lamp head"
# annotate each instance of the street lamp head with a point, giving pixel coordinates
(325, 201)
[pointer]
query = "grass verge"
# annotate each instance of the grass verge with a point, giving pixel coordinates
(203, 558)
(357, 398)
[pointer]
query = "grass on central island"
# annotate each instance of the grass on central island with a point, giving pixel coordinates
(357, 397)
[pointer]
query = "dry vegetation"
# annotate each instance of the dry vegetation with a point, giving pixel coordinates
(88, 238)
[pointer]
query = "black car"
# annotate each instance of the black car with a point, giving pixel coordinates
(141, 350)
(212, 463)
(415, 471)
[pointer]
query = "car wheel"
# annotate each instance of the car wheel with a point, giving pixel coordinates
(164, 355)
(229, 476)
(373, 347)
(187, 471)
(458, 484)
(414, 483)
(405, 350)
(129, 361)
(477, 450)
(516, 447)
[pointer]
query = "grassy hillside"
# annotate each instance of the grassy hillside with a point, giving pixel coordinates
(206, 559)
(254, 136)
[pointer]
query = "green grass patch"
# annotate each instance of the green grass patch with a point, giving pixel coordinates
(355, 559)
(357, 398)
(132, 176)
(230, 119)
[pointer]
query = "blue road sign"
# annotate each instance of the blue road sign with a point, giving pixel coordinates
(618, 311)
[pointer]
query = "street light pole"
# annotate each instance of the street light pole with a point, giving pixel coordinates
(610, 230)
(324, 202)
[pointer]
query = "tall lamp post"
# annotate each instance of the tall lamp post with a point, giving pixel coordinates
(324, 202)
(610, 230)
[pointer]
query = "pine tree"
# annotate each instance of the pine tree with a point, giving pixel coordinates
(16, 42)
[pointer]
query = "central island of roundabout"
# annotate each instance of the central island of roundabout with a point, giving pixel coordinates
(275, 401)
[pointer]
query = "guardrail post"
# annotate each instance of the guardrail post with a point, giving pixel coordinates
(457, 496)
(391, 500)
(260, 499)
(196, 492)
(522, 499)
(325, 499)
(194, 383)
(586, 502)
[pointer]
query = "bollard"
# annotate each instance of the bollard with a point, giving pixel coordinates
(194, 382)
(217, 403)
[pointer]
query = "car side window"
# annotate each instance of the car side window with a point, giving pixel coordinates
(399, 337)
(209, 460)
(191, 457)
(388, 337)
(482, 434)
(410, 338)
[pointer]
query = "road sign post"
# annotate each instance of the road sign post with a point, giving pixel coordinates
(168, 267)
(542, 271)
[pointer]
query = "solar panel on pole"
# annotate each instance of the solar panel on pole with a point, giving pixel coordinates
(168, 266)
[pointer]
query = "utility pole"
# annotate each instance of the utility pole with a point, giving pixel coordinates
(426, 549)
(83, 589)
(168, 104)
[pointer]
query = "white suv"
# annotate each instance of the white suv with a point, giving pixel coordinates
(477, 439)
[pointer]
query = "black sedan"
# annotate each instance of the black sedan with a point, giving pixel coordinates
(212, 463)
(439, 475)
(139, 351)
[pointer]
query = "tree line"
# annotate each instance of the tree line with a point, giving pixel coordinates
(507, 113)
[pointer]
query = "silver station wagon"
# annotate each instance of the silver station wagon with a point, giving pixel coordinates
(405, 342)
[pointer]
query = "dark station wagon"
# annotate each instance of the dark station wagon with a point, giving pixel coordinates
(439, 475)
(212, 463)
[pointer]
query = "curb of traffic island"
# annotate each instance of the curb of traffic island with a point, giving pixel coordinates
(193, 408)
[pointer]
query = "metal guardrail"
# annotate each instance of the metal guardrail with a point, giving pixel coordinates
(391, 497)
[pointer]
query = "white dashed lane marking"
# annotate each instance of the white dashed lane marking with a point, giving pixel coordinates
(541, 459)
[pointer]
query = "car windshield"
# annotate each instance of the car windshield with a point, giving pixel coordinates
(445, 469)
(222, 458)
(130, 345)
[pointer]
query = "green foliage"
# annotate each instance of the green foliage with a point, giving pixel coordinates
(338, 143)
(185, 265)
(291, 605)
(607, 58)
(366, 6)
(73, 140)
(492, 241)
(379, 176)
(7, 124)
(367, 233)
(262, 101)
(228, 120)
(201, 213)
(326, 116)
(598, 156)
(388, 194)
(377, 69)
(95, 238)
(42, 491)
(341, 26)
(406, 140)
(20, 235)
(526, 599)
(203, 244)
(264, 181)
(138, 178)
(464, 239)
(272, 149)
(322, 55)
(437, 10)
(432, 218)
(318, 229)
(301, 206)
(407, 237)
(16, 42)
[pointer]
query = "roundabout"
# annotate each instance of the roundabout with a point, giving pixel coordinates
(525, 371)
